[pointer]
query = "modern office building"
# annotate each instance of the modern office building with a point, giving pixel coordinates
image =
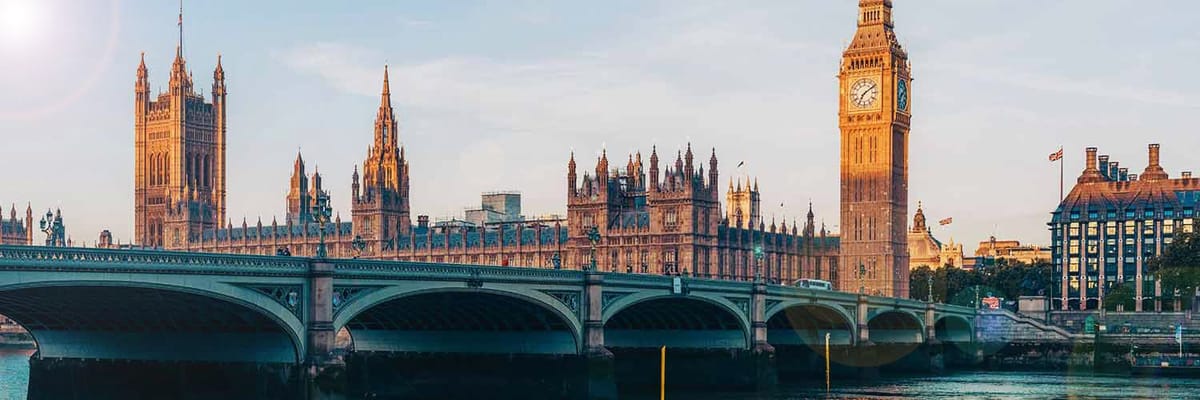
(1111, 223)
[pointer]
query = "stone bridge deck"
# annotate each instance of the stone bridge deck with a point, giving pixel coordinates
(159, 305)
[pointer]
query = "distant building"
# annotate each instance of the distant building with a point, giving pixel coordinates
(496, 207)
(668, 220)
(1111, 223)
(1012, 250)
(17, 231)
(743, 205)
(925, 250)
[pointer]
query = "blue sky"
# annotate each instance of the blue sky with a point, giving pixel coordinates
(496, 94)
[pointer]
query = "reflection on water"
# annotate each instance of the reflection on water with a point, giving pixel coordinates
(983, 385)
(14, 373)
(14, 376)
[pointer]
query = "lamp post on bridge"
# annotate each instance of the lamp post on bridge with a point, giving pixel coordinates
(358, 244)
(593, 235)
(929, 292)
(321, 214)
(862, 271)
(758, 260)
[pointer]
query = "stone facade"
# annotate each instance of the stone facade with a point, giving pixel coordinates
(649, 222)
(1012, 250)
(17, 231)
(671, 223)
(179, 175)
(874, 113)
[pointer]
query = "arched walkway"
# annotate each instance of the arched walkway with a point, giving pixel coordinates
(675, 322)
(147, 322)
(953, 329)
(893, 327)
(462, 321)
(807, 324)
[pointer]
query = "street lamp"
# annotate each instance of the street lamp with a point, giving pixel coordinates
(758, 260)
(593, 235)
(929, 280)
(862, 270)
(321, 213)
(358, 244)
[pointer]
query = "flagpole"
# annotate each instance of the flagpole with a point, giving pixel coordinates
(1060, 176)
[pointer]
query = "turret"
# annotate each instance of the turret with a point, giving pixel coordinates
(689, 172)
(602, 167)
(653, 179)
(28, 224)
(712, 173)
(354, 186)
(571, 188)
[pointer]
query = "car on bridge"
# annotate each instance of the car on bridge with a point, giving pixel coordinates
(816, 284)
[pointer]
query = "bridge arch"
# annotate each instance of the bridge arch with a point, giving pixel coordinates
(649, 320)
(456, 319)
(896, 327)
(953, 328)
(162, 321)
(806, 323)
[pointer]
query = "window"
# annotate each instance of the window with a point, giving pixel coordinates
(1130, 227)
(1148, 228)
(1073, 265)
(1074, 215)
(1111, 214)
(1074, 246)
(1074, 231)
(1187, 212)
(1148, 213)
(1091, 229)
(1110, 229)
(1168, 227)
(1169, 213)
(1130, 214)
(1093, 215)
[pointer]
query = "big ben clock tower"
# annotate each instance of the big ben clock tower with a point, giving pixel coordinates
(873, 115)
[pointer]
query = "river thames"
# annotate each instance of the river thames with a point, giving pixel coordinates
(14, 376)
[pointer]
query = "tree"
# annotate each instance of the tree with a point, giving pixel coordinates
(1178, 266)
(1120, 294)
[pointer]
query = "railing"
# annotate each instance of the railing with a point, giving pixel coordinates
(59, 258)
(425, 269)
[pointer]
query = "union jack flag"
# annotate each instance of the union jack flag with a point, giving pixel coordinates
(1055, 156)
(946, 221)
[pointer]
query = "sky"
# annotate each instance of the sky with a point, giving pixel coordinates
(495, 95)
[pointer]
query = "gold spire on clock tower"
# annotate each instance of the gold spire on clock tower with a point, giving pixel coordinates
(873, 116)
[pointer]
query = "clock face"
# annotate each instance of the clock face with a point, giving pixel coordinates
(864, 92)
(902, 95)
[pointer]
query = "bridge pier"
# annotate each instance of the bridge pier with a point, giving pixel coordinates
(764, 374)
(598, 360)
(324, 372)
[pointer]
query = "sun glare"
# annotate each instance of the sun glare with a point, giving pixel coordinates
(18, 20)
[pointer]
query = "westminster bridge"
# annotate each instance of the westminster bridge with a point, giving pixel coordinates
(159, 308)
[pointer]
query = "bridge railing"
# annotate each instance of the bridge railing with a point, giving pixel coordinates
(75, 258)
(412, 269)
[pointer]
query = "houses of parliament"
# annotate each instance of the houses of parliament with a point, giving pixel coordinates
(653, 215)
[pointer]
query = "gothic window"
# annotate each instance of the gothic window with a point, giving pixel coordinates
(671, 219)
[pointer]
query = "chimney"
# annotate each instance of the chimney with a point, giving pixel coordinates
(1154, 171)
(1090, 173)
(1187, 174)
(1114, 172)
(1103, 166)
(1133, 177)
(1124, 174)
(423, 221)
